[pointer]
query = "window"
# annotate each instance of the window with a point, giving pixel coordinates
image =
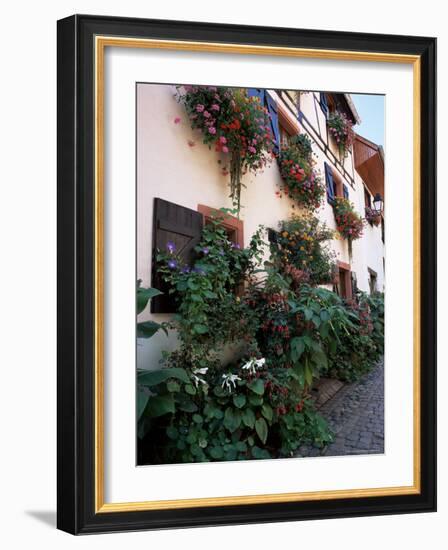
(367, 198)
(233, 226)
(268, 101)
(343, 285)
(181, 226)
(334, 184)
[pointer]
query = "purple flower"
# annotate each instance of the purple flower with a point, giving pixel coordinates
(171, 247)
(212, 130)
(186, 269)
(221, 252)
(199, 108)
(199, 271)
(236, 245)
(172, 264)
(205, 250)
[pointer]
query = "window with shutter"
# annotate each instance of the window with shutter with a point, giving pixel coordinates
(329, 183)
(183, 227)
(258, 92)
(345, 191)
(267, 101)
(324, 103)
(233, 226)
(273, 113)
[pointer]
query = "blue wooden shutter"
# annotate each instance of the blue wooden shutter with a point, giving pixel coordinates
(330, 183)
(273, 113)
(181, 226)
(324, 103)
(257, 92)
(345, 191)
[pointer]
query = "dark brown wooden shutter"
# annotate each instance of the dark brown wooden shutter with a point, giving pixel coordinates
(183, 227)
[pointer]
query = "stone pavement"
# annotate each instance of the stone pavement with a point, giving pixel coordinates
(356, 416)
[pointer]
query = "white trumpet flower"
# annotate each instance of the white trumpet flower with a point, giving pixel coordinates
(253, 364)
(197, 379)
(229, 380)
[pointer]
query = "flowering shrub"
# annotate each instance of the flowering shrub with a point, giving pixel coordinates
(341, 128)
(301, 244)
(372, 216)
(234, 124)
(350, 225)
(287, 331)
(300, 180)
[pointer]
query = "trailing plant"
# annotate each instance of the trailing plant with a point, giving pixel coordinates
(302, 243)
(349, 224)
(235, 125)
(341, 128)
(300, 180)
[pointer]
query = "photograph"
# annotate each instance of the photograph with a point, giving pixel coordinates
(260, 273)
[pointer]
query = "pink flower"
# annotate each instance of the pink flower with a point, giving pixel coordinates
(206, 114)
(199, 108)
(225, 149)
(215, 107)
(251, 149)
(177, 120)
(212, 130)
(222, 139)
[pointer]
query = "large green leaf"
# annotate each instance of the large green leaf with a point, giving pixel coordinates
(143, 297)
(147, 329)
(159, 405)
(154, 377)
(142, 401)
(297, 348)
(239, 401)
(262, 429)
(249, 418)
(267, 411)
(257, 386)
(232, 419)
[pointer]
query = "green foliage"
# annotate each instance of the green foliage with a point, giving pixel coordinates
(288, 330)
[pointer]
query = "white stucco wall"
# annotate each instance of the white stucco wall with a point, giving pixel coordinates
(170, 168)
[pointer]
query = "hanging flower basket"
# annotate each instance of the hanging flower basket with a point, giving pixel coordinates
(349, 224)
(299, 179)
(341, 128)
(372, 216)
(234, 124)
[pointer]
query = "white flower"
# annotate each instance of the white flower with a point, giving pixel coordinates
(229, 379)
(253, 364)
(196, 379)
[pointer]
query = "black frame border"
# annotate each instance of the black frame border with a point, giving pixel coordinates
(75, 271)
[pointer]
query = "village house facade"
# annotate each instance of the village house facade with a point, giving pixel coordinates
(179, 179)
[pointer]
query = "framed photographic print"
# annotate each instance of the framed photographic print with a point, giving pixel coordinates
(246, 274)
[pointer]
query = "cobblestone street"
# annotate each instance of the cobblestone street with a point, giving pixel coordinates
(356, 416)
